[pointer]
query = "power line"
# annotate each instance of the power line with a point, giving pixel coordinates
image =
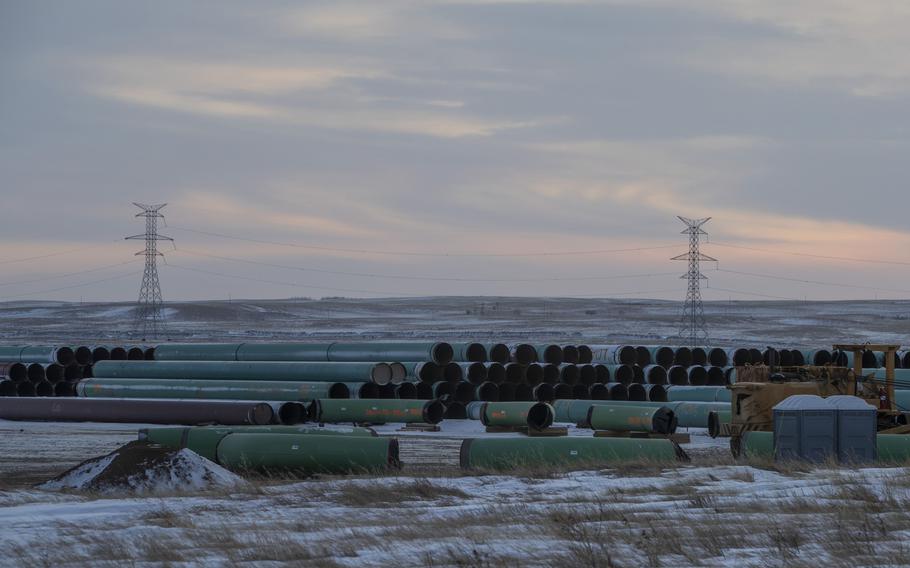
(804, 254)
(415, 253)
(67, 274)
(693, 326)
(53, 254)
(375, 292)
(744, 293)
(803, 281)
(39, 292)
(415, 277)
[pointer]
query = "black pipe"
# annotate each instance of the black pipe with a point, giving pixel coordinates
(126, 410)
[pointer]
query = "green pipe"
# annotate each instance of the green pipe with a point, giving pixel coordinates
(440, 353)
(658, 420)
(469, 352)
(379, 373)
(533, 415)
(359, 390)
(197, 351)
(624, 374)
(569, 451)
(550, 353)
(210, 389)
(893, 448)
(753, 445)
(203, 440)
(307, 454)
(716, 419)
(37, 354)
(699, 394)
(662, 356)
(426, 371)
(498, 353)
(688, 414)
(377, 411)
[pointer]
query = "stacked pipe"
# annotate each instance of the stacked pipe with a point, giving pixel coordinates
(499, 372)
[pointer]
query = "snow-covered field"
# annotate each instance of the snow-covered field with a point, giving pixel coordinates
(690, 516)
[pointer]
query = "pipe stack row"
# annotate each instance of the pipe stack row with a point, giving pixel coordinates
(46, 371)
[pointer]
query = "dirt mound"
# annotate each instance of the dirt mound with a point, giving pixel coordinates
(143, 468)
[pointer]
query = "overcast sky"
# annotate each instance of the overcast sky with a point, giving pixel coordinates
(459, 128)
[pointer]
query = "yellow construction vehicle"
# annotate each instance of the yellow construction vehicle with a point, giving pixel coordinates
(758, 389)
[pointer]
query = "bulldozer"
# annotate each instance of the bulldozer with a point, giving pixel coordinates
(759, 388)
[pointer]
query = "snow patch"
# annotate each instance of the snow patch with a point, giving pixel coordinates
(145, 469)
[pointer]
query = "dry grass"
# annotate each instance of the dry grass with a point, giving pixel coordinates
(397, 492)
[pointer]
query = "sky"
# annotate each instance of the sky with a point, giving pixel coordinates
(455, 147)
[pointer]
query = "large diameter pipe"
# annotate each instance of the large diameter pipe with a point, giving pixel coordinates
(533, 415)
(564, 452)
(618, 391)
(379, 373)
(496, 372)
(662, 356)
(534, 374)
(579, 391)
(568, 373)
(818, 357)
(655, 375)
(204, 439)
(716, 420)
(487, 392)
(678, 375)
(523, 393)
(307, 454)
(698, 376)
(425, 371)
(498, 353)
(699, 356)
(656, 393)
(550, 353)
(469, 352)
(615, 354)
(452, 372)
(544, 392)
(37, 354)
(570, 354)
(738, 356)
(289, 413)
(44, 388)
(658, 420)
(14, 371)
(585, 355)
(624, 374)
(587, 375)
(603, 373)
(562, 390)
(688, 414)
(8, 388)
(523, 354)
(515, 373)
(361, 390)
(753, 445)
(137, 411)
(475, 373)
(82, 355)
(406, 390)
(551, 373)
(65, 389)
(598, 391)
(699, 394)
(377, 411)
(100, 353)
(717, 357)
(440, 353)
(455, 411)
(118, 353)
(642, 356)
(716, 376)
(210, 389)
(135, 353)
(637, 391)
(682, 356)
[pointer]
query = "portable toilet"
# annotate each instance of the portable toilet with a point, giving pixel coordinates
(805, 427)
(857, 425)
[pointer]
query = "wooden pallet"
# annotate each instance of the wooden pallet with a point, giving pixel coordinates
(678, 438)
(420, 427)
(548, 432)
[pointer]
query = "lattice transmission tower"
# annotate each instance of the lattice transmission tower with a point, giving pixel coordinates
(693, 327)
(149, 320)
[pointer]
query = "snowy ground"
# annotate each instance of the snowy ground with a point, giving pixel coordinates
(690, 516)
(807, 324)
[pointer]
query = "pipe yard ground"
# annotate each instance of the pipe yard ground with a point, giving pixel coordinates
(712, 511)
